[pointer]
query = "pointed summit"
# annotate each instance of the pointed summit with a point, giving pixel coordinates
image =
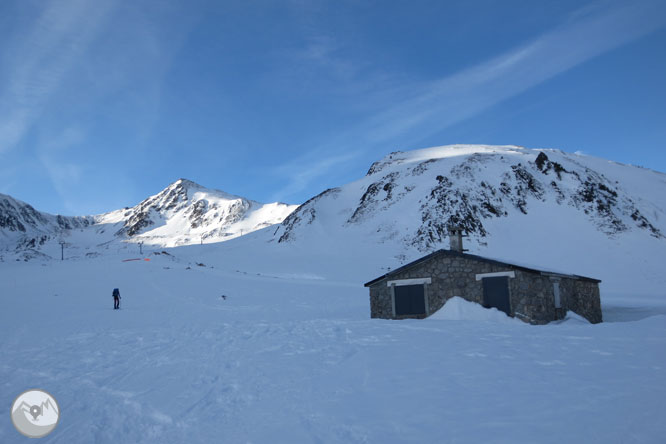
(185, 183)
(184, 189)
(186, 212)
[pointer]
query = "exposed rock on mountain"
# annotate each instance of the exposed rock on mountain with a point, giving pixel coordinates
(416, 195)
(186, 212)
(183, 213)
(20, 217)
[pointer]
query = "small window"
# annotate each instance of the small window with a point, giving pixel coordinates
(556, 293)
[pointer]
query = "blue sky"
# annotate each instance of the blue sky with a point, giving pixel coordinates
(105, 102)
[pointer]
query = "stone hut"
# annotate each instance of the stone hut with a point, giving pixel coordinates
(420, 288)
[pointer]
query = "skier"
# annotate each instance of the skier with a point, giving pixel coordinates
(116, 299)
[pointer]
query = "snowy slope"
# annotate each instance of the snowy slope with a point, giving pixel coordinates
(540, 208)
(293, 357)
(543, 208)
(183, 213)
(24, 228)
(186, 213)
(471, 185)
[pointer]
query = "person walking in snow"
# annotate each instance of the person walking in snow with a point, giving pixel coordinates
(116, 299)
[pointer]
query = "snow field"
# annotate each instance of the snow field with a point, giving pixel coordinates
(295, 358)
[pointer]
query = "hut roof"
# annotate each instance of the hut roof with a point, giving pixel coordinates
(480, 259)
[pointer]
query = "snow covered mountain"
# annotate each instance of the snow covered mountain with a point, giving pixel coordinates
(542, 207)
(186, 213)
(183, 213)
(24, 227)
(469, 186)
(536, 207)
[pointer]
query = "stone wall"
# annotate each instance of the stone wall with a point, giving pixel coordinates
(451, 276)
(533, 298)
(586, 300)
(531, 294)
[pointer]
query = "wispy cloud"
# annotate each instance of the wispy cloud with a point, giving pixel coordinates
(434, 106)
(133, 44)
(69, 62)
(9, 176)
(467, 93)
(64, 174)
(323, 54)
(63, 170)
(304, 170)
(41, 59)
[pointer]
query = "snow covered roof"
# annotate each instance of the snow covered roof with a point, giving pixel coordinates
(481, 259)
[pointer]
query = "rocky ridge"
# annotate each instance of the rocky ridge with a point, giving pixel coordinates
(182, 213)
(468, 186)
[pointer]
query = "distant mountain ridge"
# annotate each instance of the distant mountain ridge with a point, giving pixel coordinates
(542, 208)
(183, 213)
(20, 223)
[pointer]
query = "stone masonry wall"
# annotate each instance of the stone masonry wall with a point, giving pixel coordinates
(451, 276)
(531, 294)
(586, 300)
(533, 299)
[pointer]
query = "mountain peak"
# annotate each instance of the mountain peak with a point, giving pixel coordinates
(184, 189)
(185, 183)
(397, 158)
(476, 186)
(185, 211)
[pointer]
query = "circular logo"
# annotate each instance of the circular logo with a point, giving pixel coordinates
(35, 413)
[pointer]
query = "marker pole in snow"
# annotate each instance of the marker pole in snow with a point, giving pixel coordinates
(62, 250)
(140, 247)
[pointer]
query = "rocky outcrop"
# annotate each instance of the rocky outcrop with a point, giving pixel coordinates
(21, 218)
(480, 186)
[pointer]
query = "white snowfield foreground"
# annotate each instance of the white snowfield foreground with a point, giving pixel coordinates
(291, 358)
